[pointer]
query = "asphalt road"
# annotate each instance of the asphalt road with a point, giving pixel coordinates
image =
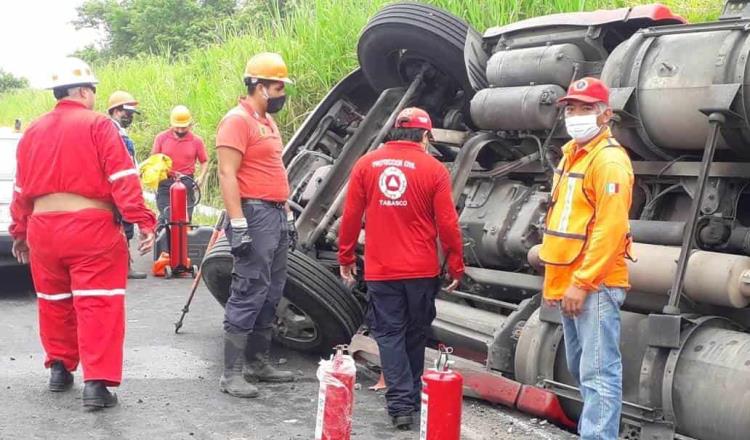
(170, 388)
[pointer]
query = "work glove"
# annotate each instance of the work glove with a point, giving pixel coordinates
(292, 230)
(241, 242)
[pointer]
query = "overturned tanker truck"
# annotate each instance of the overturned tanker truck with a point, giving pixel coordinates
(680, 95)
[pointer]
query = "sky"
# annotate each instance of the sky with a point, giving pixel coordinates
(35, 33)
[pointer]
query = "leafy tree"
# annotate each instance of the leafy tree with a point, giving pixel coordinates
(169, 27)
(92, 55)
(8, 81)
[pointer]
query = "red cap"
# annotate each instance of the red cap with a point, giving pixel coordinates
(414, 117)
(588, 90)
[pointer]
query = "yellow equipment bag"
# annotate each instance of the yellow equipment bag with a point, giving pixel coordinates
(155, 169)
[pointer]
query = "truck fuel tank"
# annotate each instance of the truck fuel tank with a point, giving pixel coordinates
(711, 277)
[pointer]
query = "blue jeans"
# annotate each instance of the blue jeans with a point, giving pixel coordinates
(592, 349)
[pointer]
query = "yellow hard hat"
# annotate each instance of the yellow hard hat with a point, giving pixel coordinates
(120, 98)
(180, 117)
(267, 65)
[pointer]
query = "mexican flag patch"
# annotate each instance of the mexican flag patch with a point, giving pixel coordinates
(613, 188)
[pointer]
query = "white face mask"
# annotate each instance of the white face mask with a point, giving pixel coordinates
(582, 128)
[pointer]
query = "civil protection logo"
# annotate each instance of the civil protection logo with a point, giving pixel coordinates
(392, 183)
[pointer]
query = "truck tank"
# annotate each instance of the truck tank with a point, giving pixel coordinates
(662, 78)
(679, 92)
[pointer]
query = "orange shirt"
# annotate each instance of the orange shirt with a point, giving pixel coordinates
(262, 174)
(608, 184)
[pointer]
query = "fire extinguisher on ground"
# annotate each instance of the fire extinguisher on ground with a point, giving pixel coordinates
(442, 399)
(177, 229)
(336, 396)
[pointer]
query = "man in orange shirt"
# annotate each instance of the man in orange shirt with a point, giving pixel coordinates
(586, 241)
(255, 189)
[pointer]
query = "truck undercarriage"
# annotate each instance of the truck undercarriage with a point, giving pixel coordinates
(682, 110)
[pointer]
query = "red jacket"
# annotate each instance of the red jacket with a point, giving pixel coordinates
(75, 150)
(405, 195)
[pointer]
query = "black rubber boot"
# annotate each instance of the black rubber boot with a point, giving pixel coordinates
(135, 275)
(97, 396)
(132, 273)
(403, 422)
(60, 379)
(258, 367)
(231, 381)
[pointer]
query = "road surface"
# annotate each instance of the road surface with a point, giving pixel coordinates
(170, 388)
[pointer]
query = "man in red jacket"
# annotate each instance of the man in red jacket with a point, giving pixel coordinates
(185, 148)
(73, 173)
(405, 196)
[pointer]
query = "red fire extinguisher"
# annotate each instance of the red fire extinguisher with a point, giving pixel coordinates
(179, 263)
(336, 396)
(442, 398)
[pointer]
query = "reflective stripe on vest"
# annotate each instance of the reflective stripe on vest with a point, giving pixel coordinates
(571, 212)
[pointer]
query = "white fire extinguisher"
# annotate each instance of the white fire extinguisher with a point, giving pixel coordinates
(335, 396)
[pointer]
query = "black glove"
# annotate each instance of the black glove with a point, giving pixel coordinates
(241, 242)
(292, 230)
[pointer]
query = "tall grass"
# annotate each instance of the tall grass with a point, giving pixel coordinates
(318, 39)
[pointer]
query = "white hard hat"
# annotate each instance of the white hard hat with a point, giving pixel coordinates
(71, 71)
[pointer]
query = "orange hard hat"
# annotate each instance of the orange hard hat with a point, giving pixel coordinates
(267, 65)
(121, 98)
(180, 117)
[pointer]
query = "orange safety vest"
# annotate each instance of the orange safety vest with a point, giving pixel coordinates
(571, 213)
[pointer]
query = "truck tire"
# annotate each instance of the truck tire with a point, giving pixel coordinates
(316, 313)
(216, 270)
(403, 31)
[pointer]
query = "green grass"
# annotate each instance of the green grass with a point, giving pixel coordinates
(318, 40)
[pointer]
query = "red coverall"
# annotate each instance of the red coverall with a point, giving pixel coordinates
(79, 260)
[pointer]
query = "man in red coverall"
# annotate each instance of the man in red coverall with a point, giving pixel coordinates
(73, 172)
(405, 195)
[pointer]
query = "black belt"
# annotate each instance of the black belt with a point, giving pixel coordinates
(277, 205)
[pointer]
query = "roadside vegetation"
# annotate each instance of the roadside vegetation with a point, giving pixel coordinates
(317, 38)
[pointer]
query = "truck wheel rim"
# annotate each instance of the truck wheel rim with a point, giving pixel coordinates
(294, 324)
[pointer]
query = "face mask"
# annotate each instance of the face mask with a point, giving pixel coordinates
(181, 134)
(125, 121)
(276, 104)
(582, 128)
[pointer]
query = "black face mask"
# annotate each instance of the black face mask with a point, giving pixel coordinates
(126, 120)
(181, 134)
(276, 104)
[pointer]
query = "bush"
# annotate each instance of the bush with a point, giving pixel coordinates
(9, 82)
